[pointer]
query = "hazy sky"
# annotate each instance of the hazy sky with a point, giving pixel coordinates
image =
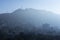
(11, 5)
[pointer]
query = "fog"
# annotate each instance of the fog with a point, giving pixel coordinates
(28, 22)
(29, 17)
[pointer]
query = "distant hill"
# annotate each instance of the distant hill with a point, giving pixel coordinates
(36, 17)
(29, 18)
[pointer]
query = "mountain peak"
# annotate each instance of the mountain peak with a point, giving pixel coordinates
(18, 10)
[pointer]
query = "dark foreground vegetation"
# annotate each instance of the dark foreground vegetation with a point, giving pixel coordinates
(10, 34)
(29, 36)
(28, 32)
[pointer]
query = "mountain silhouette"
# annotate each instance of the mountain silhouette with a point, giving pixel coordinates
(28, 19)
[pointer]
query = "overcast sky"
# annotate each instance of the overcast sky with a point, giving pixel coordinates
(11, 5)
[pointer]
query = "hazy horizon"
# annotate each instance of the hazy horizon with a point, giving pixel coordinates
(48, 5)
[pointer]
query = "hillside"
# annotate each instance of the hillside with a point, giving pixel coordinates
(30, 19)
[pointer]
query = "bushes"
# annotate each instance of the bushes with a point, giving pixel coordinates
(28, 36)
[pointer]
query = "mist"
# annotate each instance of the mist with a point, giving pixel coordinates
(29, 19)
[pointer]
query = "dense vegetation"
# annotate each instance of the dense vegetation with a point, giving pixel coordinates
(10, 34)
